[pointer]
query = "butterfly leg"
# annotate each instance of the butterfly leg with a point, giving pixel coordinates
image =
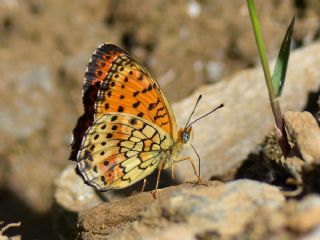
(199, 180)
(192, 163)
(172, 171)
(154, 193)
(144, 185)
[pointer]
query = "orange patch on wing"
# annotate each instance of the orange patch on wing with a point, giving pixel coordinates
(110, 161)
(147, 144)
(118, 135)
(113, 174)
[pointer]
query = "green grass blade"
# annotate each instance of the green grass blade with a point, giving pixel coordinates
(280, 69)
(262, 50)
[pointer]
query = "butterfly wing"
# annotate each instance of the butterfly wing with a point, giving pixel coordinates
(120, 149)
(115, 82)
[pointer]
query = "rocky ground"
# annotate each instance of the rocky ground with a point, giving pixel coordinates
(227, 208)
(197, 47)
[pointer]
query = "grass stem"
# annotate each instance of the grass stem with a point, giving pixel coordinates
(274, 100)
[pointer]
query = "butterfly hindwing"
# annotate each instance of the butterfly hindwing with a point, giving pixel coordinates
(120, 149)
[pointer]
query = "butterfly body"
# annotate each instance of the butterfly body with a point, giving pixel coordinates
(128, 129)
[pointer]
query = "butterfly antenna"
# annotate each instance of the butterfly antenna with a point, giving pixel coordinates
(220, 106)
(194, 108)
(198, 159)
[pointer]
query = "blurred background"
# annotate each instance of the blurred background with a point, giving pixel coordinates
(46, 45)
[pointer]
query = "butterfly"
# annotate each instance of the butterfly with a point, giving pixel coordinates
(128, 129)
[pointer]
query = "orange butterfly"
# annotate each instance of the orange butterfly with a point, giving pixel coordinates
(128, 129)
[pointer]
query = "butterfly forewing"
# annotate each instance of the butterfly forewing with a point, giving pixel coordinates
(127, 87)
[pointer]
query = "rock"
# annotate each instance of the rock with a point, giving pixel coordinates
(225, 138)
(305, 215)
(293, 220)
(114, 216)
(110, 217)
(241, 135)
(304, 159)
(305, 133)
(71, 197)
(183, 211)
(241, 208)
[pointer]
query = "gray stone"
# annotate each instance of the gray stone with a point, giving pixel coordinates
(305, 133)
(225, 138)
(224, 209)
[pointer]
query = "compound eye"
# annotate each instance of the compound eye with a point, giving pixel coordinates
(185, 137)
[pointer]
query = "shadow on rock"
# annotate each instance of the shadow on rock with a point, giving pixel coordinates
(311, 179)
(165, 181)
(34, 225)
(257, 167)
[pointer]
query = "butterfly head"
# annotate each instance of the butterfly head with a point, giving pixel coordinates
(185, 135)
